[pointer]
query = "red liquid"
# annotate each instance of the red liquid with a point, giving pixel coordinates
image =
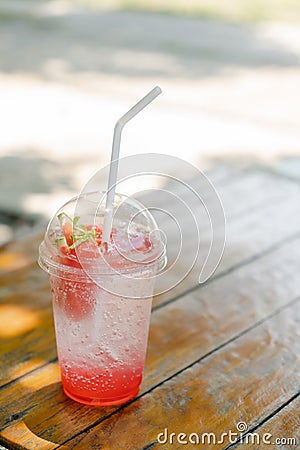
(101, 386)
(109, 380)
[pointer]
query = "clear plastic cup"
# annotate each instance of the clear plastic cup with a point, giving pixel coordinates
(102, 300)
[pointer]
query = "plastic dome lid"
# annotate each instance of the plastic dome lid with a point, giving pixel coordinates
(136, 242)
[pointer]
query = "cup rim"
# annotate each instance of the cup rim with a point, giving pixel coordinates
(49, 262)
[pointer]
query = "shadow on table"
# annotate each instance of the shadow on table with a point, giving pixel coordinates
(25, 174)
(56, 418)
(30, 184)
(132, 44)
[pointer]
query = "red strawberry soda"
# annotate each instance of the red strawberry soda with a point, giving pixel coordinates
(101, 301)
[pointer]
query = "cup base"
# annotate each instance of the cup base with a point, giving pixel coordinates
(94, 401)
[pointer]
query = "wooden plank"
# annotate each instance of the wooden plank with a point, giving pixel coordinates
(246, 190)
(245, 196)
(288, 168)
(237, 196)
(25, 293)
(29, 286)
(247, 237)
(221, 172)
(12, 442)
(206, 318)
(180, 334)
(26, 324)
(244, 382)
(235, 188)
(252, 190)
(282, 430)
(18, 433)
(19, 254)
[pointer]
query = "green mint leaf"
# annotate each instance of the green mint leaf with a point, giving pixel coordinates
(64, 217)
(76, 220)
(60, 240)
(78, 242)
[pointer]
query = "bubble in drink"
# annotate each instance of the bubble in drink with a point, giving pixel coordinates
(101, 302)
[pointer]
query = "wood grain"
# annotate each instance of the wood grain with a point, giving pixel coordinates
(283, 426)
(226, 357)
(180, 333)
(239, 194)
(26, 324)
(25, 293)
(19, 254)
(248, 236)
(245, 381)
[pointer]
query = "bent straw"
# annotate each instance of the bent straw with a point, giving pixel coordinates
(114, 161)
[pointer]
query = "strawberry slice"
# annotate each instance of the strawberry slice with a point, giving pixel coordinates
(64, 247)
(67, 227)
(83, 240)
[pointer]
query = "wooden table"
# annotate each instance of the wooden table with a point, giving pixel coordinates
(222, 357)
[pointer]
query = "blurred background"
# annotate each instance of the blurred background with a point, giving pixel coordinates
(229, 71)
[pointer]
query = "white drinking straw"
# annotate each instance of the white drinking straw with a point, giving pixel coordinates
(114, 161)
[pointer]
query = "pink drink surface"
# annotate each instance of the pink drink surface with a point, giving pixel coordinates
(101, 337)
